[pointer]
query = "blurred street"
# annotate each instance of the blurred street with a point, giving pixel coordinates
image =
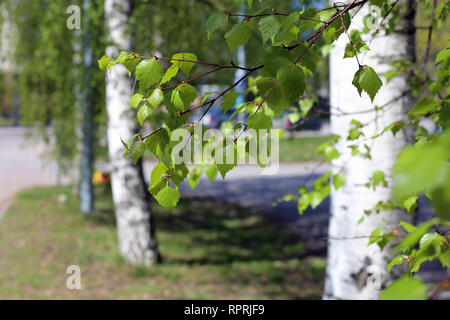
(23, 164)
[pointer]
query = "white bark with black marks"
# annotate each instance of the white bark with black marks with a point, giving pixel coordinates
(355, 270)
(137, 242)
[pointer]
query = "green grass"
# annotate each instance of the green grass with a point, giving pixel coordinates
(301, 149)
(210, 250)
(5, 121)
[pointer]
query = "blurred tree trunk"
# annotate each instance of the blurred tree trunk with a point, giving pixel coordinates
(354, 270)
(87, 105)
(137, 242)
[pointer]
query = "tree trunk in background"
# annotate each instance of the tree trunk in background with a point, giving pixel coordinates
(87, 105)
(137, 241)
(354, 270)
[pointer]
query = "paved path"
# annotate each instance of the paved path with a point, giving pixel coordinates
(23, 164)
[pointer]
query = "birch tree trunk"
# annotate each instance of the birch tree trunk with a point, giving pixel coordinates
(87, 106)
(356, 270)
(137, 241)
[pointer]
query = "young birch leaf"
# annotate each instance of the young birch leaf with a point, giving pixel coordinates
(238, 35)
(215, 21)
(148, 72)
(424, 106)
(405, 288)
(156, 176)
(211, 172)
(338, 180)
(143, 113)
(170, 73)
(292, 82)
(276, 100)
(183, 96)
(185, 66)
(137, 151)
(135, 100)
(367, 80)
(396, 261)
(259, 121)
(168, 197)
(156, 97)
(228, 100)
(122, 57)
(103, 62)
(268, 27)
(131, 64)
(410, 203)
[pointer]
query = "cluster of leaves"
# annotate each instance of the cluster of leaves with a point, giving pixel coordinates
(293, 46)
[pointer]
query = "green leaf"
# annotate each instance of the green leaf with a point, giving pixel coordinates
(331, 153)
(306, 105)
(156, 178)
(194, 177)
(413, 237)
(268, 27)
(396, 261)
(289, 31)
(310, 59)
(143, 113)
(410, 203)
(292, 82)
(421, 168)
(276, 100)
(354, 134)
(170, 73)
(168, 197)
(366, 79)
(182, 96)
(156, 97)
(442, 55)
(275, 58)
(103, 62)
(378, 178)
(405, 288)
(211, 172)
(224, 166)
(430, 247)
(215, 21)
(407, 226)
(148, 72)
(338, 180)
(131, 64)
(259, 121)
(238, 35)
(136, 100)
(179, 174)
(159, 144)
(122, 57)
(424, 106)
(445, 258)
(185, 66)
(137, 151)
(228, 100)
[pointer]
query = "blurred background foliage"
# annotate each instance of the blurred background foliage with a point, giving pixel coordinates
(47, 71)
